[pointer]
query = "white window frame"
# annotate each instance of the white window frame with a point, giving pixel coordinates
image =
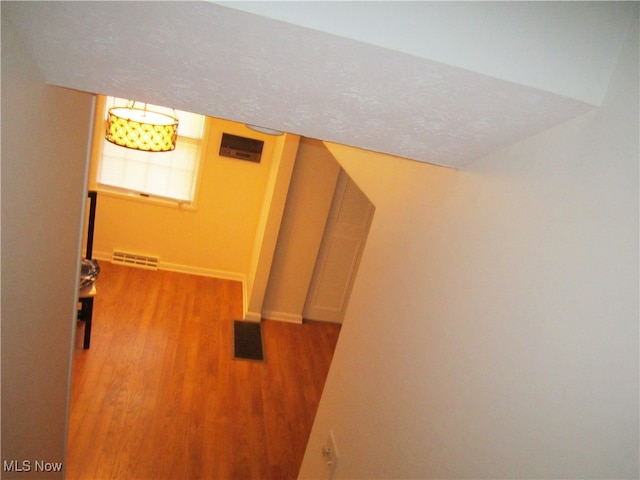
(125, 155)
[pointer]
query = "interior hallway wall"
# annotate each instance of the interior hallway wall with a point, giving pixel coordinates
(43, 193)
(266, 237)
(493, 327)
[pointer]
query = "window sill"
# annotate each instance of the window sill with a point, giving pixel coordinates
(147, 199)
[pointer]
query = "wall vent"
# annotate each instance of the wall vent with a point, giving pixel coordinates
(241, 148)
(135, 260)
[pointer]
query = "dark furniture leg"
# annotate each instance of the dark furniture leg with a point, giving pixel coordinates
(86, 310)
(86, 315)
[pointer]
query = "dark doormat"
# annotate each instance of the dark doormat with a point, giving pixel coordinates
(247, 341)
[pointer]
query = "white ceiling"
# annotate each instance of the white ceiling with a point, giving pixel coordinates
(521, 42)
(444, 83)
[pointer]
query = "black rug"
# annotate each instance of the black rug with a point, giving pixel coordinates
(247, 341)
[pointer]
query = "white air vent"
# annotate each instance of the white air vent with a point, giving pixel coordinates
(135, 260)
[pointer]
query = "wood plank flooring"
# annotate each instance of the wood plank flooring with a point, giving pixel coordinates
(159, 396)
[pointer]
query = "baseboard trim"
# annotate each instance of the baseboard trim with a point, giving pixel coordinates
(283, 317)
(188, 269)
(245, 299)
(205, 272)
(252, 317)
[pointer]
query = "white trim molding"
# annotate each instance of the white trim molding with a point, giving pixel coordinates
(283, 317)
(205, 272)
(188, 269)
(252, 317)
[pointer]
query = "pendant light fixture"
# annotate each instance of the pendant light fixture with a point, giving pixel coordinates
(142, 129)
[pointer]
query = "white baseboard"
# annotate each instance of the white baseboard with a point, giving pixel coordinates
(205, 272)
(252, 317)
(189, 269)
(245, 299)
(283, 317)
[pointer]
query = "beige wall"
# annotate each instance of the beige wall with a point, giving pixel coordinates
(309, 201)
(45, 132)
(493, 327)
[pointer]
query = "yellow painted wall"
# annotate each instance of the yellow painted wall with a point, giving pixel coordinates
(218, 237)
(269, 225)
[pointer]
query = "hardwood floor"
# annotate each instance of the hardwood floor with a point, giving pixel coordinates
(159, 396)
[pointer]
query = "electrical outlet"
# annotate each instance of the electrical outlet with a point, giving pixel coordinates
(330, 454)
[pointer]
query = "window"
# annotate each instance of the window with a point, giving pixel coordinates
(164, 176)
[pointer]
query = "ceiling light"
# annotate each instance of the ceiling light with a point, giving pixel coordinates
(142, 129)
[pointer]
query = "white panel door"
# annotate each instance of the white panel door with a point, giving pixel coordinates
(337, 264)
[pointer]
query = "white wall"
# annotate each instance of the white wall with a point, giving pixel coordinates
(43, 193)
(493, 327)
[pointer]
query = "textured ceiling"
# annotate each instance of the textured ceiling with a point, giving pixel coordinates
(235, 65)
(568, 48)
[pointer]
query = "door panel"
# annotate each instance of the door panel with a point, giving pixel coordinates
(339, 256)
